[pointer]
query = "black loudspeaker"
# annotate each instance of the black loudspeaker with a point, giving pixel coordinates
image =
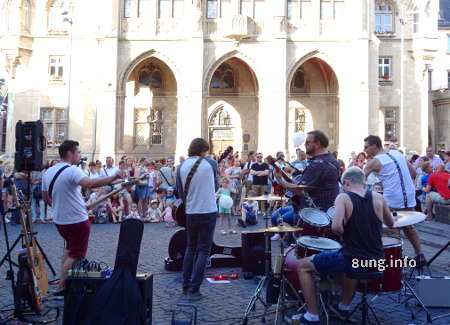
(30, 146)
(80, 297)
(253, 253)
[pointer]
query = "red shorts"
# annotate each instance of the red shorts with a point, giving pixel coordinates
(76, 236)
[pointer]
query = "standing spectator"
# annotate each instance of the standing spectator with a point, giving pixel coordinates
(225, 213)
(440, 182)
(300, 162)
(131, 173)
(125, 193)
(37, 203)
(260, 171)
(109, 169)
(21, 182)
(152, 179)
(427, 170)
(234, 173)
(167, 173)
(247, 177)
(201, 213)
(142, 190)
(447, 161)
(435, 159)
(93, 171)
(360, 160)
(371, 178)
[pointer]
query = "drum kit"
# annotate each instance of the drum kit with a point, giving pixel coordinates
(313, 235)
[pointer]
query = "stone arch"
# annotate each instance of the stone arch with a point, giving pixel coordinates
(233, 54)
(124, 97)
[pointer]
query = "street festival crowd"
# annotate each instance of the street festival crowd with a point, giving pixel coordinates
(152, 199)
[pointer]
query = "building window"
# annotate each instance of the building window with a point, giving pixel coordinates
(141, 127)
(55, 124)
(448, 43)
(391, 124)
(384, 18)
(171, 8)
(211, 9)
(55, 16)
(26, 8)
(223, 78)
(218, 9)
(150, 76)
(156, 126)
(416, 23)
(448, 79)
(56, 67)
(300, 120)
(298, 9)
(252, 8)
(384, 69)
(130, 8)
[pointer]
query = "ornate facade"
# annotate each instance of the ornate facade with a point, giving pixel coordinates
(143, 77)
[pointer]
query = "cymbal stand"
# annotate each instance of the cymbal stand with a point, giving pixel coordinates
(309, 200)
(263, 282)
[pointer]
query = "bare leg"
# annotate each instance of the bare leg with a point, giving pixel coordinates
(306, 272)
(413, 237)
(229, 222)
(66, 265)
(348, 291)
(221, 221)
(429, 205)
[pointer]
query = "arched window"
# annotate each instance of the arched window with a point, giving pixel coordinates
(384, 18)
(56, 20)
(26, 14)
(299, 79)
(150, 76)
(223, 78)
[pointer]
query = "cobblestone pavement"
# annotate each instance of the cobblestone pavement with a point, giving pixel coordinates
(224, 303)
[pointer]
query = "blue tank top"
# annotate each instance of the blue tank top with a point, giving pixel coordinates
(363, 231)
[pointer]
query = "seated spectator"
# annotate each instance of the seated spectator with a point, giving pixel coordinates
(427, 170)
(170, 196)
(249, 212)
(134, 214)
(115, 208)
(285, 214)
(165, 207)
(153, 214)
(438, 189)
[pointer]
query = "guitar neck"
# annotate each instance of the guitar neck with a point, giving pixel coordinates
(286, 177)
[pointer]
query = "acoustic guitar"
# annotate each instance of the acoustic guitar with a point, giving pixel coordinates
(179, 212)
(272, 161)
(35, 284)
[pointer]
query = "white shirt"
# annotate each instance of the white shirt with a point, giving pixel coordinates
(248, 165)
(202, 192)
(390, 178)
(111, 171)
(67, 202)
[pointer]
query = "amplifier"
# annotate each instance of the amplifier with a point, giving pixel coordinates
(433, 291)
(78, 306)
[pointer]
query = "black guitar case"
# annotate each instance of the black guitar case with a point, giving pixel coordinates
(119, 300)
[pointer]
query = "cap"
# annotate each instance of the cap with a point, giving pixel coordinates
(153, 201)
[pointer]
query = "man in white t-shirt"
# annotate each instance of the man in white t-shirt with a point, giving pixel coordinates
(110, 169)
(396, 174)
(61, 189)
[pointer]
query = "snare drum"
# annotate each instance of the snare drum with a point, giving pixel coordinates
(393, 273)
(313, 221)
(330, 213)
(310, 245)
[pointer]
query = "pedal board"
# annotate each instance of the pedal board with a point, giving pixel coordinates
(433, 291)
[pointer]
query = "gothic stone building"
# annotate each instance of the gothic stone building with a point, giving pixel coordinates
(144, 77)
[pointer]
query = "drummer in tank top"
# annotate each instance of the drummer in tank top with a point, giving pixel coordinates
(358, 218)
(396, 174)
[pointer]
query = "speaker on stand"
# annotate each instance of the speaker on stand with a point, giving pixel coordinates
(253, 262)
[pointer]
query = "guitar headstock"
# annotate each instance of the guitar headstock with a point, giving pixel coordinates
(225, 154)
(271, 161)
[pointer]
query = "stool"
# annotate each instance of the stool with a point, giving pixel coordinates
(364, 279)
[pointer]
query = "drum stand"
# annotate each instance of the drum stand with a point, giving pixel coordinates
(263, 282)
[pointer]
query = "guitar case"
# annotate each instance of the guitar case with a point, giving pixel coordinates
(177, 249)
(119, 300)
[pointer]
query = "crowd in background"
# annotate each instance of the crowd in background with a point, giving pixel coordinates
(152, 197)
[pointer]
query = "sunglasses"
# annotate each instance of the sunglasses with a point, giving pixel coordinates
(259, 157)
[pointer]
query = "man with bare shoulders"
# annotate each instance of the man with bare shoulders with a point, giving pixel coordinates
(396, 174)
(358, 218)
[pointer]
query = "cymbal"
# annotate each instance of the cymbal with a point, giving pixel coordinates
(407, 218)
(306, 187)
(280, 228)
(267, 198)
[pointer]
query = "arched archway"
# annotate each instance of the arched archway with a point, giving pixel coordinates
(313, 100)
(149, 112)
(233, 89)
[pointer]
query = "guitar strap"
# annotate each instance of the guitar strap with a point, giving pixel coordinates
(189, 178)
(50, 188)
(402, 183)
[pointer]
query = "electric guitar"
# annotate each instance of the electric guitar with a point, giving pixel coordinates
(38, 284)
(179, 212)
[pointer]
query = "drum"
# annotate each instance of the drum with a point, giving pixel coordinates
(310, 245)
(330, 213)
(313, 221)
(393, 272)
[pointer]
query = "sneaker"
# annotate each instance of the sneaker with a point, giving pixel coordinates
(420, 260)
(194, 296)
(223, 232)
(304, 321)
(233, 231)
(275, 237)
(339, 313)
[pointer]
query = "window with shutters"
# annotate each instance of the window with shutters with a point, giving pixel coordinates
(55, 124)
(56, 67)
